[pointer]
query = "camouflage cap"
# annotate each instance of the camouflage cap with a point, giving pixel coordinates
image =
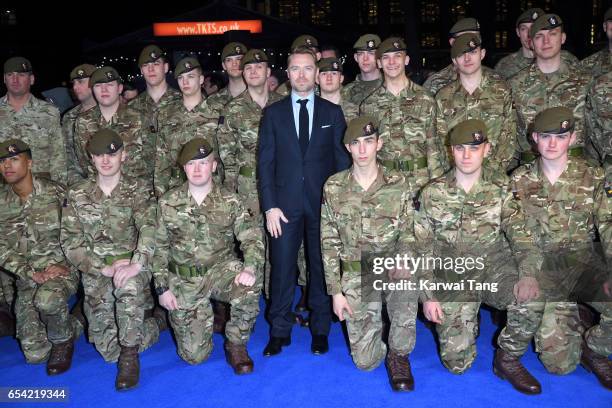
(253, 56)
(545, 22)
(150, 53)
(529, 16)
(470, 132)
(305, 41)
(330, 64)
(104, 141)
(82, 71)
(194, 149)
(185, 65)
(104, 75)
(367, 42)
(465, 43)
(17, 64)
(608, 15)
(463, 25)
(232, 49)
(359, 127)
(12, 147)
(391, 44)
(554, 120)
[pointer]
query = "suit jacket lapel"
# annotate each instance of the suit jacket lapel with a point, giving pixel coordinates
(291, 133)
(316, 123)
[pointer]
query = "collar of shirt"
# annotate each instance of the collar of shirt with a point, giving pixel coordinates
(296, 110)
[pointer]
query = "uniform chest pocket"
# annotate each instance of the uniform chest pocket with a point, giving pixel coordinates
(121, 217)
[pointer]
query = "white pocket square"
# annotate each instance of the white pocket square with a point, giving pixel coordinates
(325, 126)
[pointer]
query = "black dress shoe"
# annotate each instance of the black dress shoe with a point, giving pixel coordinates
(319, 345)
(275, 345)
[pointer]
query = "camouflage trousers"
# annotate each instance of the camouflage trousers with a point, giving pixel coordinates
(192, 322)
(458, 331)
(555, 327)
(116, 316)
(365, 327)
(7, 291)
(599, 337)
(43, 317)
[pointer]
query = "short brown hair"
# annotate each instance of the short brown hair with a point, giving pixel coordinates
(302, 50)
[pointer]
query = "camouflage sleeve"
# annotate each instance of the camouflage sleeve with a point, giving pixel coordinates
(524, 249)
(144, 216)
(72, 236)
(506, 145)
(10, 259)
(74, 171)
(80, 137)
(227, 138)
(437, 162)
(161, 255)
(331, 245)
(57, 150)
(423, 230)
(603, 218)
(441, 125)
(164, 162)
(249, 233)
(522, 138)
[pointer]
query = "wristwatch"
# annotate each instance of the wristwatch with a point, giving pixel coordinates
(160, 290)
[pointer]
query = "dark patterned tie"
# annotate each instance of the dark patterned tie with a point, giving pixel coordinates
(304, 131)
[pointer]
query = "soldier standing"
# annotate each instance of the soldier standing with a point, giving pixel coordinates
(194, 260)
(549, 81)
(601, 62)
(406, 115)
(368, 209)
(477, 94)
(330, 79)
(565, 203)
(511, 64)
(231, 55)
(79, 77)
(369, 77)
(469, 214)
(112, 114)
(184, 121)
(108, 230)
(30, 250)
(159, 96)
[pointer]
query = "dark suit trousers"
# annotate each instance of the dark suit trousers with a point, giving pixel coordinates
(283, 252)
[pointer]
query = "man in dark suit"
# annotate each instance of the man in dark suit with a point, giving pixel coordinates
(300, 146)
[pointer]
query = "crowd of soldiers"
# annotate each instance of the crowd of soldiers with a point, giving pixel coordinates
(153, 208)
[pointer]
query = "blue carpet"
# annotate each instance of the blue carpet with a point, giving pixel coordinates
(280, 381)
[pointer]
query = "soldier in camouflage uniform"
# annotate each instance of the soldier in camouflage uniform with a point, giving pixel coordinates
(406, 114)
(108, 229)
(194, 260)
(31, 120)
(79, 77)
(548, 82)
(238, 135)
(368, 209)
(601, 62)
(307, 41)
(30, 250)
(184, 121)
(469, 213)
(37, 123)
(369, 78)
(126, 121)
(155, 102)
(477, 94)
(598, 114)
(231, 55)
(330, 79)
(511, 64)
(445, 76)
(564, 203)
